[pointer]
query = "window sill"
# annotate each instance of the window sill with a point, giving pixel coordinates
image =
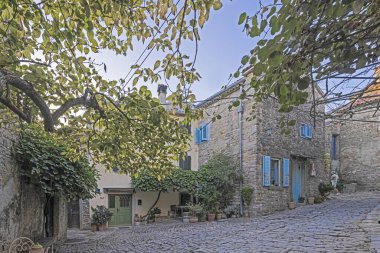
(276, 188)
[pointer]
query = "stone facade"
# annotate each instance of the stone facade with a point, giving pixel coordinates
(22, 205)
(262, 137)
(357, 149)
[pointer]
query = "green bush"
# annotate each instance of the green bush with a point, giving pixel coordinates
(325, 188)
(246, 193)
(101, 215)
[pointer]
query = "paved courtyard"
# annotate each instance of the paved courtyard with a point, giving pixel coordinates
(346, 223)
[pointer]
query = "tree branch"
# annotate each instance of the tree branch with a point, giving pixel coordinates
(28, 89)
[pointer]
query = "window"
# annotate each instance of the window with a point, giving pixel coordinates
(111, 201)
(306, 131)
(334, 146)
(272, 173)
(275, 172)
(185, 163)
(202, 133)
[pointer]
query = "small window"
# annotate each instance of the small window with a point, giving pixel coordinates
(275, 172)
(185, 164)
(306, 131)
(202, 133)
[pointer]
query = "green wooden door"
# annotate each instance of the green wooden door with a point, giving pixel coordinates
(121, 207)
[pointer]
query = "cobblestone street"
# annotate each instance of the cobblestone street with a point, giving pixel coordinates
(346, 223)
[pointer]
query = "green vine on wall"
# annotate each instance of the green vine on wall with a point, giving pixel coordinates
(47, 161)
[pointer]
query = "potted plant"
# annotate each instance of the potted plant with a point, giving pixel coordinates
(196, 211)
(310, 200)
(137, 220)
(219, 215)
(292, 205)
(246, 194)
(157, 212)
(37, 248)
(231, 211)
(100, 217)
(151, 216)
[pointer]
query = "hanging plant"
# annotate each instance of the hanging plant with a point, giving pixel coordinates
(48, 162)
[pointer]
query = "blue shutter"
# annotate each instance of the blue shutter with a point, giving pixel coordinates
(285, 172)
(266, 170)
(198, 137)
(304, 130)
(310, 131)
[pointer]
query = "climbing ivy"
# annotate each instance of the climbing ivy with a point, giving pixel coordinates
(46, 161)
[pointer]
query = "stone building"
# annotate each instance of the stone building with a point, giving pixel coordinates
(24, 209)
(353, 140)
(279, 167)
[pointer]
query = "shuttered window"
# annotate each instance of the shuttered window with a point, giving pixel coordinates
(266, 171)
(202, 133)
(306, 131)
(285, 172)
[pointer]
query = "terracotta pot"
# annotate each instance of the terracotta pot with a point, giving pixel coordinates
(37, 250)
(150, 221)
(193, 219)
(310, 200)
(94, 227)
(157, 215)
(291, 205)
(102, 227)
(219, 216)
(211, 217)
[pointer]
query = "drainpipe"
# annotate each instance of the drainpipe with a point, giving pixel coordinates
(240, 116)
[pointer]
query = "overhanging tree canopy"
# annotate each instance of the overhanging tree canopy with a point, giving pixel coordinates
(303, 42)
(49, 73)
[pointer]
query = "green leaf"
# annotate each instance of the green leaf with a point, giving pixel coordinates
(245, 60)
(242, 18)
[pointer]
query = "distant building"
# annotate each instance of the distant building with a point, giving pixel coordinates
(353, 139)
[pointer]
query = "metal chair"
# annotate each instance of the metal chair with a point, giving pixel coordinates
(24, 244)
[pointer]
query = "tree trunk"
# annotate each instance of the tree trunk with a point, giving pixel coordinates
(154, 204)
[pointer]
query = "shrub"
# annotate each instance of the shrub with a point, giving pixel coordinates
(231, 210)
(156, 210)
(325, 188)
(246, 193)
(101, 215)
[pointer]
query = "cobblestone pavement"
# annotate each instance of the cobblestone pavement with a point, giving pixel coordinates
(346, 223)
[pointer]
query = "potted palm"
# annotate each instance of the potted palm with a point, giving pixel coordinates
(151, 216)
(100, 217)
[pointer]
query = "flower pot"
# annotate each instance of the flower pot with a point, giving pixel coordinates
(37, 248)
(233, 216)
(137, 223)
(211, 217)
(291, 205)
(193, 219)
(157, 215)
(94, 227)
(219, 216)
(40, 250)
(310, 200)
(150, 221)
(102, 227)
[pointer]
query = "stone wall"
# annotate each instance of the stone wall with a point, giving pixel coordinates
(262, 136)
(358, 151)
(273, 143)
(22, 204)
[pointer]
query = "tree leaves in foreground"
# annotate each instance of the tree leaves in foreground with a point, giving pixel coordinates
(51, 72)
(302, 42)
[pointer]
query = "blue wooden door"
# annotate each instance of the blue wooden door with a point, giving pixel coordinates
(296, 183)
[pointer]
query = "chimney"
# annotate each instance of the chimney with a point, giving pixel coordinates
(162, 91)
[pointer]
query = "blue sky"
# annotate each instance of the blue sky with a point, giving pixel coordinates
(221, 48)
